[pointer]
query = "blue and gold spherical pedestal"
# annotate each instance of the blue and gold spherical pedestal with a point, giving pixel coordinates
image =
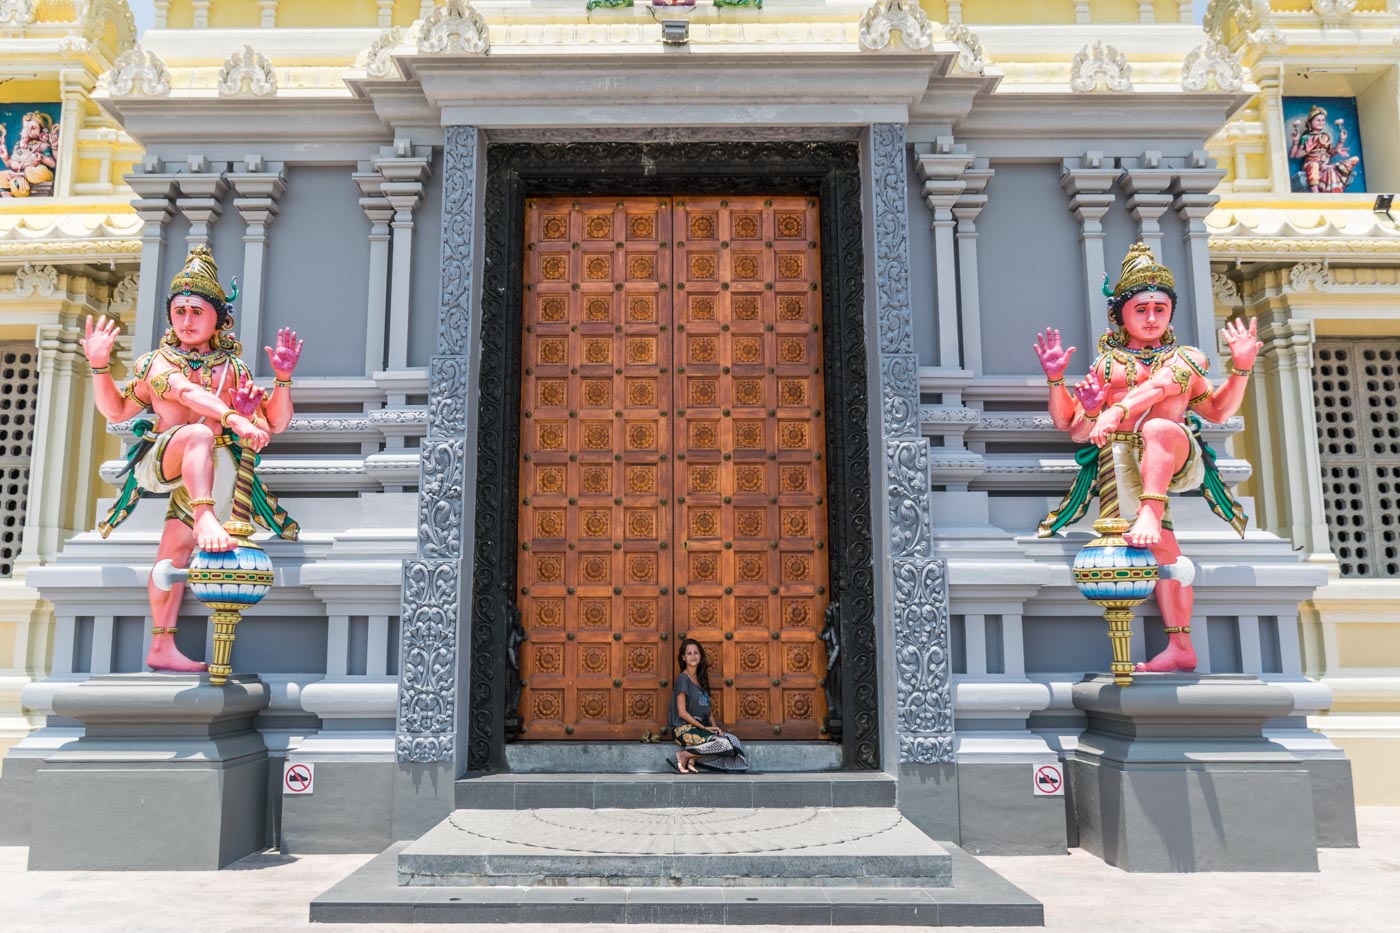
(229, 582)
(1116, 576)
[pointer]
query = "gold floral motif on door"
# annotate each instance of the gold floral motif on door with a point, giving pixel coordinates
(672, 478)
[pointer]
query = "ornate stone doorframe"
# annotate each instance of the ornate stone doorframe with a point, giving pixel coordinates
(915, 647)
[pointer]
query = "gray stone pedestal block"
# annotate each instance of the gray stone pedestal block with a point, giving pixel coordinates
(1174, 774)
(170, 774)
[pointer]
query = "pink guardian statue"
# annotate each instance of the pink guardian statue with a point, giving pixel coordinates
(199, 421)
(1144, 399)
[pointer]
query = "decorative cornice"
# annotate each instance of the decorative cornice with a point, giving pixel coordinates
(1212, 61)
(454, 27)
(886, 17)
(138, 73)
(1098, 64)
(31, 280)
(247, 74)
(1225, 289)
(1310, 276)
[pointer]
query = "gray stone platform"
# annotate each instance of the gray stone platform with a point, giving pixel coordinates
(978, 896)
(631, 791)
(1174, 774)
(169, 774)
(689, 846)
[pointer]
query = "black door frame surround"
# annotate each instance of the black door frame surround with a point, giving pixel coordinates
(828, 171)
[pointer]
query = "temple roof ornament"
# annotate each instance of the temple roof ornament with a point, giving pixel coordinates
(138, 73)
(247, 74)
(1334, 12)
(1212, 60)
(100, 15)
(886, 17)
(1100, 64)
(970, 55)
(378, 60)
(17, 12)
(454, 27)
(41, 280)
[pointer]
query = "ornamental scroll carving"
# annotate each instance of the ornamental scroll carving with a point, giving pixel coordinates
(1100, 64)
(428, 669)
(906, 471)
(432, 589)
(899, 375)
(923, 696)
(454, 27)
(138, 73)
(459, 219)
(36, 280)
(378, 60)
(891, 220)
(884, 18)
(17, 12)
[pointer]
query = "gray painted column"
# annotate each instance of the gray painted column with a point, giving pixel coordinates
(380, 212)
(436, 596)
(966, 210)
(155, 206)
(1194, 202)
(917, 583)
(1090, 188)
(404, 168)
(1148, 198)
(941, 169)
(200, 193)
(258, 188)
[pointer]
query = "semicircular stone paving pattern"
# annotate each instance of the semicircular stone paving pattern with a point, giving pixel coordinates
(698, 830)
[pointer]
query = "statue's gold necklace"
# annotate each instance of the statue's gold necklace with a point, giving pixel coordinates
(1150, 357)
(192, 362)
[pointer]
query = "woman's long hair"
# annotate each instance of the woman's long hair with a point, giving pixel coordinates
(702, 670)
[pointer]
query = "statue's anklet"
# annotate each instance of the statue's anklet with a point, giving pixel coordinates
(1177, 629)
(1153, 496)
(163, 630)
(209, 501)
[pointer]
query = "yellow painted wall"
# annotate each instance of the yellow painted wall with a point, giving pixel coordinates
(235, 14)
(1374, 766)
(29, 92)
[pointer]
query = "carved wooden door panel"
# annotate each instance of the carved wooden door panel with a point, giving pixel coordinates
(671, 474)
(751, 574)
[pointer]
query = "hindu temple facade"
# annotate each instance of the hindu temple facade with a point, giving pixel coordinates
(614, 338)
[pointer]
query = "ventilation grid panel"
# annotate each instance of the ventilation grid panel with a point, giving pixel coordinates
(19, 386)
(1356, 393)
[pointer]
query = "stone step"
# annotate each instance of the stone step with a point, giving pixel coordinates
(639, 757)
(677, 846)
(630, 791)
(977, 897)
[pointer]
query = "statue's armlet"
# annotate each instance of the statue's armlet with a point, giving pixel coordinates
(1189, 365)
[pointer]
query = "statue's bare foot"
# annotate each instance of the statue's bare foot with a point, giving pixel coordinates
(164, 656)
(1179, 655)
(210, 535)
(1146, 531)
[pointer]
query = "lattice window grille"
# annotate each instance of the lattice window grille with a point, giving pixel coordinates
(1356, 392)
(19, 387)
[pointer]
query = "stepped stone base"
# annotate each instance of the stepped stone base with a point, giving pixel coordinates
(977, 897)
(693, 846)
(632, 791)
(639, 758)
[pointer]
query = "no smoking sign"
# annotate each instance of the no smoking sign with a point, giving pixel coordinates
(1048, 780)
(299, 779)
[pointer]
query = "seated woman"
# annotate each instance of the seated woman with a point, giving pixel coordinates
(693, 722)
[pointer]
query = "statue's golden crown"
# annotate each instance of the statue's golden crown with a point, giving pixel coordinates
(1140, 267)
(200, 276)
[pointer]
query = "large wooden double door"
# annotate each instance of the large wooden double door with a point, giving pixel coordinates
(672, 481)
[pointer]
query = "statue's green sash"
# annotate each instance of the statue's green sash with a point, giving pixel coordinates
(266, 511)
(1086, 486)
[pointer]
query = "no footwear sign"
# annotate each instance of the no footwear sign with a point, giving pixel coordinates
(1048, 780)
(299, 778)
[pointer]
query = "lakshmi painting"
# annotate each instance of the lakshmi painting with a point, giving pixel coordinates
(1324, 145)
(28, 149)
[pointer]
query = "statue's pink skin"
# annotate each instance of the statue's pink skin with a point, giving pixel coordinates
(1159, 407)
(190, 453)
